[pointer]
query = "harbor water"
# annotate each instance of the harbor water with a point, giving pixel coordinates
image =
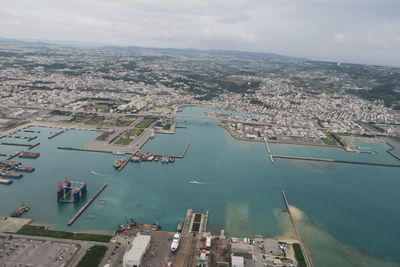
(348, 214)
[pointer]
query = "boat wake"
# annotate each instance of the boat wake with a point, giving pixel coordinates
(197, 182)
(96, 173)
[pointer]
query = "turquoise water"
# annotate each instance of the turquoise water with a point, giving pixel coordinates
(347, 206)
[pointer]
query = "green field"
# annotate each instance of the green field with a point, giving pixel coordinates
(329, 141)
(299, 255)
(41, 231)
(97, 120)
(78, 117)
(93, 256)
(123, 141)
(134, 132)
(145, 123)
(125, 121)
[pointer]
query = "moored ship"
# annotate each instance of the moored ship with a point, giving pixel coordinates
(31, 155)
(21, 210)
(24, 169)
(119, 163)
(175, 242)
(11, 175)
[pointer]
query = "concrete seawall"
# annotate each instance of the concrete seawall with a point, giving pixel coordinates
(337, 161)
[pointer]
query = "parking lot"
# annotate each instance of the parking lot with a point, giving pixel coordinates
(35, 253)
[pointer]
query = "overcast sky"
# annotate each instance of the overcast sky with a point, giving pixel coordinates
(360, 31)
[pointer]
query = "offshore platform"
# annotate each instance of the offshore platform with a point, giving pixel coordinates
(71, 191)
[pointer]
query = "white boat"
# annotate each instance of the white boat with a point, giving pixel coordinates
(175, 242)
(194, 182)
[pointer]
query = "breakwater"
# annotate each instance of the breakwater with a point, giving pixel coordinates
(305, 253)
(87, 204)
(337, 161)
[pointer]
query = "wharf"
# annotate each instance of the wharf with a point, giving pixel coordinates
(306, 256)
(337, 161)
(126, 162)
(56, 134)
(34, 145)
(14, 144)
(86, 205)
(195, 222)
(83, 149)
(13, 155)
(269, 151)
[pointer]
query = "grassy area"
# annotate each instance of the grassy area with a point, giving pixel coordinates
(60, 113)
(167, 127)
(93, 256)
(41, 231)
(299, 255)
(329, 141)
(125, 121)
(97, 120)
(78, 117)
(145, 123)
(134, 132)
(123, 141)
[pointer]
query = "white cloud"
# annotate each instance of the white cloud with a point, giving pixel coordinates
(318, 29)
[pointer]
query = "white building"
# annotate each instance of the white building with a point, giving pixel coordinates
(237, 261)
(133, 257)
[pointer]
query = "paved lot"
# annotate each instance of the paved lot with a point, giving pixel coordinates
(38, 253)
(12, 225)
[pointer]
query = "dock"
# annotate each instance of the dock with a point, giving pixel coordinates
(34, 145)
(86, 205)
(337, 161)
(195, 222)
(14, 144)
(269, 151)
(306, 256)
(126, 162)
(83, 149)
(13, 155)
(56, 134)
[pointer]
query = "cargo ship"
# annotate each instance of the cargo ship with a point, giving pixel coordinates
(119, 163)
(30, 155)
(11, 175)
(24, 169)
(21, 210)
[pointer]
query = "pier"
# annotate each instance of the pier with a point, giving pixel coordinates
(86, 205)
(269, 151)
(126, 162)
(306, 257)
(82, 149)
(34, 145)
(56, 134)
(14, 144)
(337, 161)
(13, 155)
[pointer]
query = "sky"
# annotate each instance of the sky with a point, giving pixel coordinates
(356, 31)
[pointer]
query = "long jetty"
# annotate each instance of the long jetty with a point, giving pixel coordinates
(82, 149)
(306, 256)
(56, 134)
(87, 204)
(126, 162)
(269, 151)
(34, 145)
(14, 144)
(184, 151)
(337, 161)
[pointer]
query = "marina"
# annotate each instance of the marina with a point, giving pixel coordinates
(243, 192)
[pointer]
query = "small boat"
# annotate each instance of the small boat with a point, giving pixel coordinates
(164, 159)
(194, 182)
(119, 163)
(175, 242)
(135, 159)
(156, 158)
(150, 158)
(21, 210)
(171, 159)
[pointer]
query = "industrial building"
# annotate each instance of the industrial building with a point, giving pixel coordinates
(237, 261)
(134, 256)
